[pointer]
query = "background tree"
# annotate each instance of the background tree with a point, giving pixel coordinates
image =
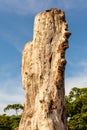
(9, 122)
(16, 107)
(76, 105)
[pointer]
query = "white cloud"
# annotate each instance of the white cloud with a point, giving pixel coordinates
(73, 4)
(10, 94)
(34, 6)
(80, 82)
(24, 7)
(14, 40)
(11, 90)
(79, 78)
(10, 83)
(6, 99)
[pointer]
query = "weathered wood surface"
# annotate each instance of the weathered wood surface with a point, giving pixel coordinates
(43, 65)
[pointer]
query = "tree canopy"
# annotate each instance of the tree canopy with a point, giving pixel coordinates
(16, 107)
(9, 122)
(76, 105)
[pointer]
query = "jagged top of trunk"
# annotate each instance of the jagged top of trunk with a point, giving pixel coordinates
(43, 65)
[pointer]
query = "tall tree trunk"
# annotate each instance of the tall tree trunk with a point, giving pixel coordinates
(43, 65)
(16, 111)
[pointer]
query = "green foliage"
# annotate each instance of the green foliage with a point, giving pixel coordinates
(76, 105)
(5, 123)
(9, 122)
(16, 107)
(15, 121)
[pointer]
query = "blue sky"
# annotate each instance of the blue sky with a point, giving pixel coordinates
(16, 28)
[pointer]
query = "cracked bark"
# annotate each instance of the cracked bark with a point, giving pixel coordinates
(43, 67)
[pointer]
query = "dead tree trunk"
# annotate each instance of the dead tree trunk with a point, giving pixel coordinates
(43, 65)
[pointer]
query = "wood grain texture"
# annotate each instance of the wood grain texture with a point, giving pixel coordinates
(43, 66)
